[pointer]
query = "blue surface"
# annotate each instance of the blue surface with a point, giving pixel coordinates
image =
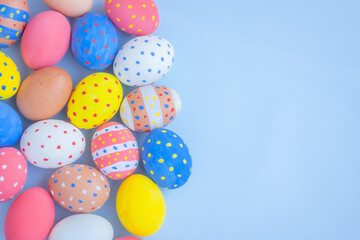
(271, 100)
(10, 126)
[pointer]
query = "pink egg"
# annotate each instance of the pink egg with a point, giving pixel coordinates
(140, 17)
(13, 173)
(115, 150)
(128, 238)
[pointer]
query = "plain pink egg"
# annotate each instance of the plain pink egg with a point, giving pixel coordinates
(13, 173)
(45, 40)
(128, 238)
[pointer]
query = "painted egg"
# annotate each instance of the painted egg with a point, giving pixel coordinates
(166, 158)
(82, 227)
(43, 32)
(143, 60)
(30, 216)
(52, 143)
(140, 205)
(79, 188)
(150, 107)
(14, 15)
(13, 173)
(10, 126)
(133, 17)
(94, 41)
(9, 77)
(70, 8)
(115, 150)
(44, 93)
(128, 238)
(95, 100)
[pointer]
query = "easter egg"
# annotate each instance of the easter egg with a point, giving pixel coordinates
(166, 158)
(115, 150)
(10, 126)
(9, 77)
(150, 107)
(44, 93)
(79, 188)
(133, 17)
(14, 15)
(13, 173)
(94, 41)
(30, 216)
(45, 40)
(128, 238)
(52, 143)
(70, 8)
(143, 60)
(82, 227)
(95, 100)
(140, 205)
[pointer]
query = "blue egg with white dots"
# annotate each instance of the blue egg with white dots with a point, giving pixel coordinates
(166, 158)
(143, 60)
(10, 126)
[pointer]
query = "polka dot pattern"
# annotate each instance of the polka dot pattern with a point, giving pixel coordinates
(9, 77)
(166, 158)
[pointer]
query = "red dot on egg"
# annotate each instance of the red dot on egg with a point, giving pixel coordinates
(96, 100)
(85, 120)
(74, 113)
(98, 57)
(87, 62)
(84, 92)
(84, 107)
(94, 41)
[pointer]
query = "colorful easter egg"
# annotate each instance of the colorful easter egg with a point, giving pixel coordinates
(140, 205)
(46, 39)
(30, 216)
(52, 143)
(10, 126)
(9, 77)
(79, 188)
(95, 100)
(70, 8)
(94, 41)
(166, 158)
(44, 93)
(128, 238)
(13, 173)
(150, 107)
(82, 227)
(133, 17)
(14, 15)
(143, 60)
(115, 150)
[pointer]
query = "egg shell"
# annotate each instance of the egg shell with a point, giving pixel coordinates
(94, 41)
(79, 188)
(95, 100)
(52, 143)
(30, 216)
(44, 93)
(150, 107)
(45, 40)
(133, 17)
(115, 150)
(14, 15)
(82, 227)
(143, 60)
(10, 126)
(166, 158)
(70, 8)
(128, 238)
(9, 77)
(13, 173)
(140, 205)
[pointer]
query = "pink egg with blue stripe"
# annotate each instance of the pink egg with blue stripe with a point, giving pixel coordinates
(115, 150)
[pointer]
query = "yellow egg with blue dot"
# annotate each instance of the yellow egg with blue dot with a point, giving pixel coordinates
(9, 77)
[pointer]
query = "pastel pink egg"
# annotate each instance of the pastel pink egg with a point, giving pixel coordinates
(45, 40)
(128, 238)
(13, 173)
(140, 17)
(115, 150)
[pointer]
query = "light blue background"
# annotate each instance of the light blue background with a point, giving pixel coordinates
(271, 101)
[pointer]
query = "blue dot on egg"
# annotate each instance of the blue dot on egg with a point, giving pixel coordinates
(73, 185)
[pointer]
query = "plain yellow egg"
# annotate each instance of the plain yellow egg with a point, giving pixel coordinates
(9, 77)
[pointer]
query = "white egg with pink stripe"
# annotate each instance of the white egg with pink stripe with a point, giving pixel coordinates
(115, 150)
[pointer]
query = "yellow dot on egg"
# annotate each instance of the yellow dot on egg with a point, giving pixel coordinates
(130, 6)
(118, 175)
(174, 135)
(7, 37)
(149, 140)
(123, 138)
(152, 122)
(115, 159)
(125, 157)
(171, 169)
(149, 154)
(174, 155)
(146, 97)
(179, 175)
(102, 158)
(161, 160)
(18, 11)
(143, 18)
(109, 1)
(129, 151)
(181, 145)
(95, 146)
(133, 16)
(103, 142)
(151, 105)
(102, 165)
(190, 169)
(139, 30)
(110, 176)
(154, 97)
(123, 109)
(118, 5)
(156, 24)
(3, 9)
(126, 131)
(162, 178)
(113, 140)
(120, 132)
(142, 148)
(110, 134)
(128, 173)
(153, 18)
(175, 185)
(164, 131)
(144, 5)
(151, 172)
(11, 15)
(158, 126)
(158, 142)
(123, 29)
(108, 11)
(24, 16)
(109, 156)
(109, 162)
(118, 19)
(168, 144)
(184, 161)
(0, 30)
(134, 156)
(117, 154)
(131, 26)
(157, 114)
(95, 162)
(99, 138)
(137, 151)
(144, 162)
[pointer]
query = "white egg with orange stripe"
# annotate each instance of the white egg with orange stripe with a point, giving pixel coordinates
(115, 150)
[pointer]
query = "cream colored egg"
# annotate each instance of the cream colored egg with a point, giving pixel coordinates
(70, 8)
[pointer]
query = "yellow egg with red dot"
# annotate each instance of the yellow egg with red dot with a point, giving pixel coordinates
(9, 77)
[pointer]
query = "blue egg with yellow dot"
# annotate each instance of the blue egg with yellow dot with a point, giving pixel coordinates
(10, 126)
(166, 158)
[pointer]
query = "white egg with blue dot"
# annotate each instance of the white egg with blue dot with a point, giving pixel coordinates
(143, 60)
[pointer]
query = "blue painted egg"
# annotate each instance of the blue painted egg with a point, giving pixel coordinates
(10, 126)
(94, 41)
(166, 158)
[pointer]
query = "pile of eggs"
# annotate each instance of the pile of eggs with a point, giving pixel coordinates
(56, 145)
